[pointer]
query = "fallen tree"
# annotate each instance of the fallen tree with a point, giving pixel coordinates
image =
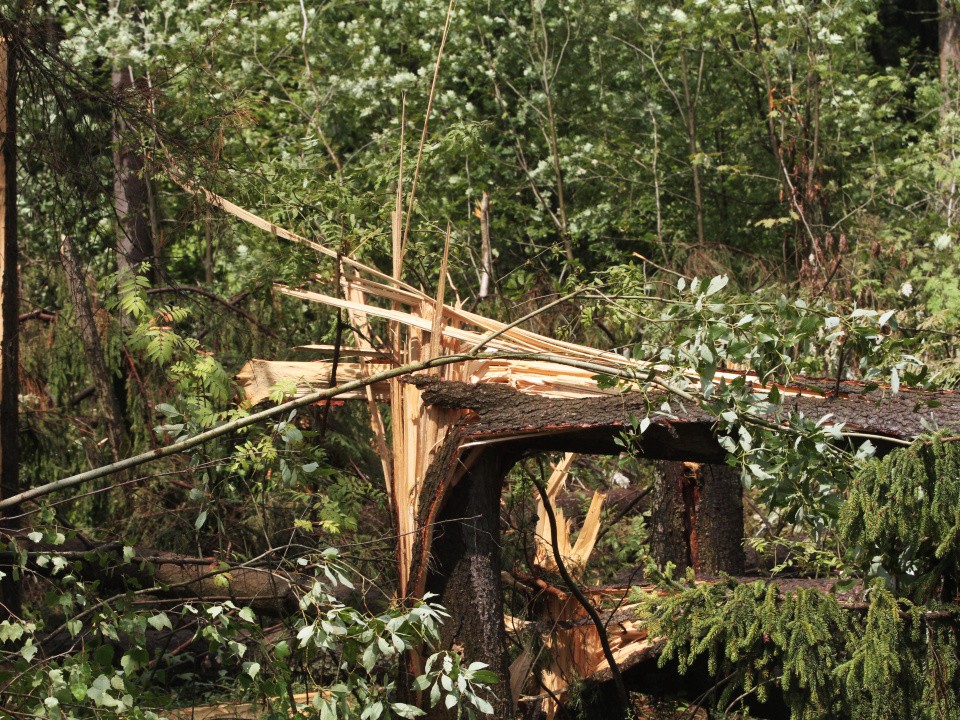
(470, 395)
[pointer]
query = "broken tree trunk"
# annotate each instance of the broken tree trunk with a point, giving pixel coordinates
(268, 591)
(696, 518)
(498, 421)
(465, 571)
(502, 415)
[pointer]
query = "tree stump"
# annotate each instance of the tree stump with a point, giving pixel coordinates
(697, 518)
(465, 572)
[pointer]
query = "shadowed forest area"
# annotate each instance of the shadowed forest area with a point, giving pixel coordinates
(484, 358)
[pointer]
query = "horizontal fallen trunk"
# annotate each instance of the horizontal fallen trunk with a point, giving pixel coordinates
(500, 414)
(168, 575)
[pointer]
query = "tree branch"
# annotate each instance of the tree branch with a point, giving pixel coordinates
(582, 599)
(228, 427)
(229, 304)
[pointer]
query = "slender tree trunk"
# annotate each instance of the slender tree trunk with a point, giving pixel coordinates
(131, 194)
(949, 34)
(208, 248)
(692, 103)
(465, 572)
(107, 399)
(697, 518)
(949, 39)
(9, 307)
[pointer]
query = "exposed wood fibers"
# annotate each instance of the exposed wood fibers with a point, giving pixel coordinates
(417, 327)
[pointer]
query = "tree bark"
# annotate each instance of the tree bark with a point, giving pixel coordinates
(131, 194)
(107, 399)
(720, 522)
(949, 41)
(697, 518)
(465, 573)
(9, 307)
(670, 516)
(506, 417)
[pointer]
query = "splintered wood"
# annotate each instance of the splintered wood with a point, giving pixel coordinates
(574, 645)
(393, 323)
(574, 556)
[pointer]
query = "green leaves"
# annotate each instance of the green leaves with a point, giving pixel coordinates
(160, 621)
(457, 685)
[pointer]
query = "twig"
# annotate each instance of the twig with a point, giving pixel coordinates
(659, 267)
(229, 304)
(494, 334)
(426, 123)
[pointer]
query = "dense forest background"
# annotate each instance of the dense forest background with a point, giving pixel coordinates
(807, 152)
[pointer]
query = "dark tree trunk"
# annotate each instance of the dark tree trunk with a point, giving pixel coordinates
(131, 194)
(9, 306)
(720, 522)
(697, 518)
(83, 315)
(465, 572)
(275, 593)
(949, 41)
(670, 522)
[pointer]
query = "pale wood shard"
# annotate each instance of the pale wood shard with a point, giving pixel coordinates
(587, 537)
(486, 249)
(259, 379)
(343, 351)
(575, 650)
(575, 654)
(544, 557)
(575, 555)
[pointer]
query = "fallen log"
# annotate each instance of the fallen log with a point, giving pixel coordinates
(497, 413)
(162, 574)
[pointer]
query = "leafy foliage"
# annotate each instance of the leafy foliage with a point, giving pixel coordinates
(788, 162)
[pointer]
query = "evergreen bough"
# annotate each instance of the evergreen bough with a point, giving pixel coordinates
(902, 520)
(894, 656)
